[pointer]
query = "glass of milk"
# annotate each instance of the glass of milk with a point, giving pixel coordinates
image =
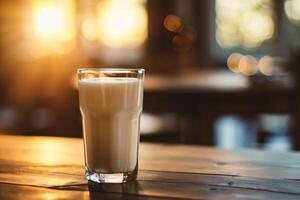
(111, 102)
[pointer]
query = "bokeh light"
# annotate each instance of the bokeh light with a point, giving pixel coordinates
(233, 62)
(255, 28)
(248, 65)
(292, 10)
(89, 27)
(122, 24)
(48, 21)
(243, 23)
(244, 64)
(53, 26)
(172, 23)
(185, 39)
(265, 65)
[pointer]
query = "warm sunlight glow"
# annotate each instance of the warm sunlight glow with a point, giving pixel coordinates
(51, 151)
(122, 24)
(53, 25)
(292, 10)
(243, 23)
(49, 196)
(54, 21)
(50, 157)
(89, 28)
(48, 21)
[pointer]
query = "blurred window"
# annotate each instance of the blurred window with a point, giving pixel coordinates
(292, 22)
(244, 26)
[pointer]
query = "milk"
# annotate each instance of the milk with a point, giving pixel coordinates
(111, 109)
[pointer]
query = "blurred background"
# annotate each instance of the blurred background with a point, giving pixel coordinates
(218, 72)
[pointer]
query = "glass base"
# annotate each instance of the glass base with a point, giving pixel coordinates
(111, 177)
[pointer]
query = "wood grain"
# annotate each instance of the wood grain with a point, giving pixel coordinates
(54, 166)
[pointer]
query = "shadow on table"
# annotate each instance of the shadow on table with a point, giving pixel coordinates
(130, 190)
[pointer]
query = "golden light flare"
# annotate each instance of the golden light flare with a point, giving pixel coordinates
(49, 196)
(122, 24)
(54, 21)
(51, 151)
(244, 23)
(48, 21)
(89, 27)
(50, 157)
(53, 26)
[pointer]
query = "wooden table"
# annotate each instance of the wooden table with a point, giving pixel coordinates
(52, 168)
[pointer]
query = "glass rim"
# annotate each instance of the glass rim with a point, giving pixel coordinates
(110, 70)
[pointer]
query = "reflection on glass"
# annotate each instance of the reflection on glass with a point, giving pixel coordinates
(243, 23)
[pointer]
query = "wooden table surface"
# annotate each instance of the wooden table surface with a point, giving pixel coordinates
(52, 168)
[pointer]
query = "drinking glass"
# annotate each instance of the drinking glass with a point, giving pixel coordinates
(111, 102)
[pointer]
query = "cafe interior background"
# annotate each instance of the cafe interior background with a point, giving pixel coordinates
(218, 72)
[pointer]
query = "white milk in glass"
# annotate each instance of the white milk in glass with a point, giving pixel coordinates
(111, 109)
